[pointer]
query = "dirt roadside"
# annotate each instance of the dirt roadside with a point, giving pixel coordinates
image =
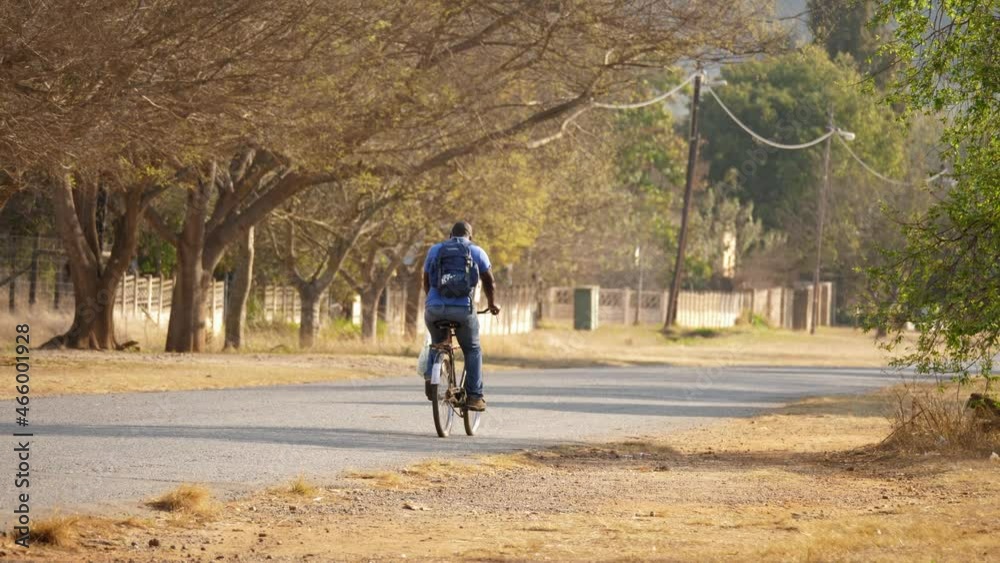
(803, 483)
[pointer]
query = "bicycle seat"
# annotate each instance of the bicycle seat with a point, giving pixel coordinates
(445, 325)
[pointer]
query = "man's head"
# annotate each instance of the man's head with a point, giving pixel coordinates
(462, 229)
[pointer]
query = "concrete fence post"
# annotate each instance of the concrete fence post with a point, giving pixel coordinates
(120, 298)
(626, 304)
(135, 295)
(159, 302)
(149, 294)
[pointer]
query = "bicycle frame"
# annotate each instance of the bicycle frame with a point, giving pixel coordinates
(456, 388)
(454, 396)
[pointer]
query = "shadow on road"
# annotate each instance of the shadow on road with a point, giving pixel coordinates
(333, 438)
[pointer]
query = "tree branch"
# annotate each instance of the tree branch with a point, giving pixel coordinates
(156, 221)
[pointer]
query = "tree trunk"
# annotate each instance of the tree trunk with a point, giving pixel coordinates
(309, 323)
(93, 318)
(376, 280)
(311, 289)
(369, 313)
(239, 292)
(186, 330)
(414, 300)
(94, 284)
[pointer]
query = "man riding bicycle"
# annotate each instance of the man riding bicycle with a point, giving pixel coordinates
(452, 270)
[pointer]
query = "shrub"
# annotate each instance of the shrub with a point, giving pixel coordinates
(939, 418)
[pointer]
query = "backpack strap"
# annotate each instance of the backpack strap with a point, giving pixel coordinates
(437, 269)
(468, 274)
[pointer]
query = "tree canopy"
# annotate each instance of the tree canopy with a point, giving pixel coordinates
(202, 119)
(789, 98)
(945, 278)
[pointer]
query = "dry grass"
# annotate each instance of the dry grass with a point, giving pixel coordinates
(560, 346)
(419, 474)
(415, 475)
(56, 531)
(187, 499)
(437, 468)
(62, 532)
(936, 418)
(300, 486)
(135, 522)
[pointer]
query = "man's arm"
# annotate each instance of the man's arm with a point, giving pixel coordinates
(427, 283)
(488, 289)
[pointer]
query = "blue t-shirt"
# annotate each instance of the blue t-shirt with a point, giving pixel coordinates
(479, 257)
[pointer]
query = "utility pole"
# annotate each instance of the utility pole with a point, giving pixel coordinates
(820, 216)
(693, 141)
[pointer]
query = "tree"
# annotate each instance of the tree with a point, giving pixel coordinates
(650, 164)
(593, 217)
(222, 204)
(402, 90)
(328, 229)
(376, 265)
(716, 222)
(945, 278)
(788, 99)
(842, 26)
(108, 100)
(78, 206)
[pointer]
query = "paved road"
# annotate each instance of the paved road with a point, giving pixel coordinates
(112, 449)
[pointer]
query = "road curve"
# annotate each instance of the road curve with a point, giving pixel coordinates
(103, 451)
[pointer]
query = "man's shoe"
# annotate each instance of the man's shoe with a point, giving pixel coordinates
(428, 391)
(475, 404)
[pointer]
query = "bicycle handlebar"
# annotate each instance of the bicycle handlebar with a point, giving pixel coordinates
(484, 311)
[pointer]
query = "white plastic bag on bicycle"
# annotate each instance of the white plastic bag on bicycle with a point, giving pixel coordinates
(424, 359)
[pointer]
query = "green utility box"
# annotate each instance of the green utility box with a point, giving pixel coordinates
(585, 307)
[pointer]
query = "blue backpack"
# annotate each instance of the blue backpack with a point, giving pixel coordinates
(454, 273)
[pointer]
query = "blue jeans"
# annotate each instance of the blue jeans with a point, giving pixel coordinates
(468, 339)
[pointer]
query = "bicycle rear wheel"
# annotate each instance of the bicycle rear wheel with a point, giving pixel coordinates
(444, 414)
(471, 419)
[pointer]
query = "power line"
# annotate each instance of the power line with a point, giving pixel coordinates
(765, 140)
(562, 129)
(650, 102)
(882, 177)
(832, 132)
(605, 105)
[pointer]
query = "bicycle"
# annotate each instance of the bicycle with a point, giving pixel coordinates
(450, 393)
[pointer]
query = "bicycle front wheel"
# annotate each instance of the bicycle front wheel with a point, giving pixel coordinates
(444, 414)
(471, 419)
